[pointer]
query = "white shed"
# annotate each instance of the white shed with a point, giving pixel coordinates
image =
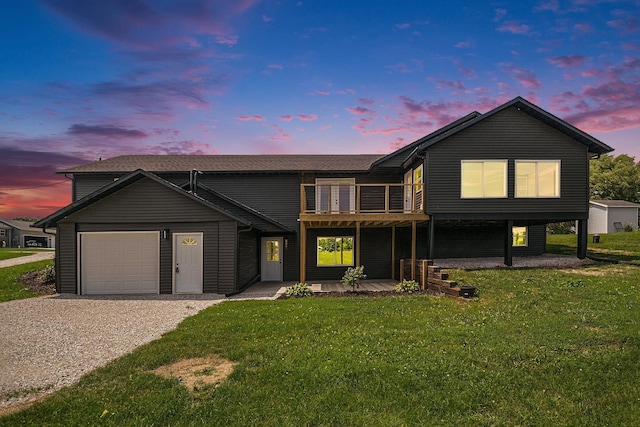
(611, 216)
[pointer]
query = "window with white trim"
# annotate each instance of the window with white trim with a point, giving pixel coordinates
(537, 178)
(520, 236)
(335, 251)
(483, 178)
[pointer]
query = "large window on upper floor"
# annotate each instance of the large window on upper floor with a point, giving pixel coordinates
(537, 178)
(483, 178)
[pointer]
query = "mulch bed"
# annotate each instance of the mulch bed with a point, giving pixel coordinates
(32, 281)
(371, 294)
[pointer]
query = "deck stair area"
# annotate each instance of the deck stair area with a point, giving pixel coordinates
(432, 277)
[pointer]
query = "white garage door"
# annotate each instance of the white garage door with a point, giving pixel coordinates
(119, 263)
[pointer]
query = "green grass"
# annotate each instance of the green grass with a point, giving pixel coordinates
(329, 258)
(8, 253)
(10, 288)
(537, 347)
(616, 246)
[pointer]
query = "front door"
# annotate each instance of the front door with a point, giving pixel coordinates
(271, 259)
(187, 269)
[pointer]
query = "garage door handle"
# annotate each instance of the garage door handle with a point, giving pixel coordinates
(177, 269)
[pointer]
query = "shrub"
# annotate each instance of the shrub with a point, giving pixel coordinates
(48, 274)
(407, 286)
(299, 290)
(566, 227)
(628, 228)
(352, 275)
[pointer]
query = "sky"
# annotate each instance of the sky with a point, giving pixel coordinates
(83, 80)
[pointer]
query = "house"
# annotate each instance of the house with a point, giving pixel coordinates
(484, 185)
(610, 216)
(16, 234)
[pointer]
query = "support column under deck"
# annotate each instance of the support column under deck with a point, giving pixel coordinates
(303, 251)
(582, 238)
(508, 243)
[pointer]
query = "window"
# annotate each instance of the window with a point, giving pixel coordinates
(3, 232)
(272, 248)
(519, 236)
(334, 251)
(537, 178)
(484, 178)
(336, 195)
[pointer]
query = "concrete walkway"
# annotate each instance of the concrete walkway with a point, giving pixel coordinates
(39, 256)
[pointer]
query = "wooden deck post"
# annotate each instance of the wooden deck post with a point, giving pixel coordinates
(303, 251)
(402, 269)
(357, 242)
(423, 274)
(414, 234)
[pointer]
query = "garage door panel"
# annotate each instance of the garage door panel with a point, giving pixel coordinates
(119, 263)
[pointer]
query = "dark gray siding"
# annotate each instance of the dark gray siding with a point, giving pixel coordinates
(85, 184)
(510, 134)
(227, 257)
(248, 257)
(466, 240)
(66, 266)
(375, 252)
(275, 195)
(146, 205)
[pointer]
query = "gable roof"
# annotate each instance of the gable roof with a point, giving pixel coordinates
(615, 203)
(51, 220)
(231, 163)
(17, 224)
(594, 145)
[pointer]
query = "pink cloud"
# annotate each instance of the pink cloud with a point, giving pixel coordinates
(366, 101)
(307, 117)
(525, 77)
(403, 26)
(626, 22)
(359, 110)
(286, 118)
(583, 28)
(552, 5)
(280, 136)
(276, 66)
(255, 117)
(611, 103)
(152, 24)
(466, 44)
(323, 92)
(500, 13)
(106, 131)
(514, 27)
(567, 61)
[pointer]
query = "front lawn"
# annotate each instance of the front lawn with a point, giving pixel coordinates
(624, 246)
(11, 288)
(8, 253)
(537, 347)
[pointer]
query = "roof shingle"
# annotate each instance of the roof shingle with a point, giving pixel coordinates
(231, 163)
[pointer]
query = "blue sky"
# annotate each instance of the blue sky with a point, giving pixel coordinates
(91, 79)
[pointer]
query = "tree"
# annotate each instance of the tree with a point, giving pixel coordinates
(615, 178)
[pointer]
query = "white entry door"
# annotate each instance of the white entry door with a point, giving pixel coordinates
(187, 269)
(271, 259)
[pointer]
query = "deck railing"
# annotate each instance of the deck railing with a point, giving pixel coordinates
(361, 198)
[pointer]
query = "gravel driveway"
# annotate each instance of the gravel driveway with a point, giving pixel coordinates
(50, 342)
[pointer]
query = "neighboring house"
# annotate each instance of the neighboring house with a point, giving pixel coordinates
(484, 185)
(20, 234)
(611, 216)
